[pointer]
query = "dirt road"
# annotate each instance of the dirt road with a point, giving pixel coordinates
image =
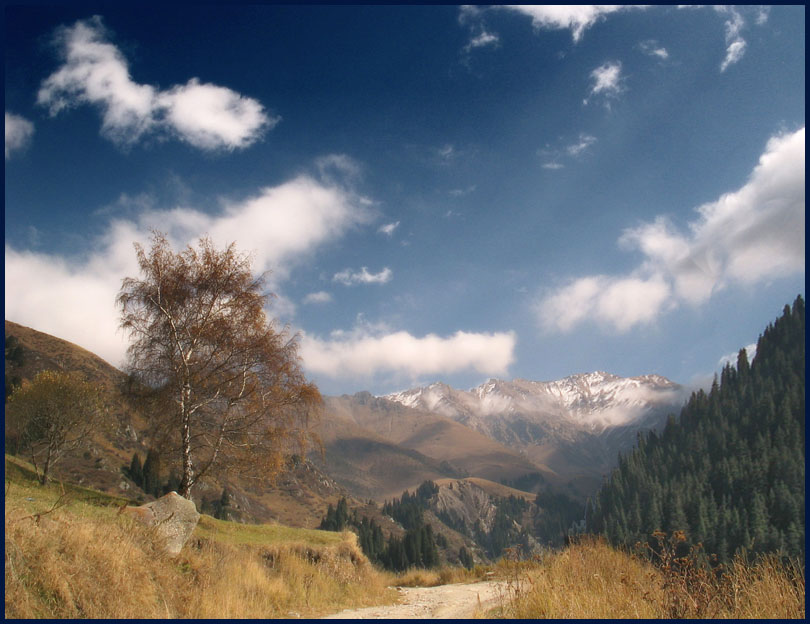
(442, 602)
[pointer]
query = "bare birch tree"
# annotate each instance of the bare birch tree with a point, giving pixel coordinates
(230, 392)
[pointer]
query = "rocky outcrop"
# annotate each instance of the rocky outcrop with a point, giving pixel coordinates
(172, 516)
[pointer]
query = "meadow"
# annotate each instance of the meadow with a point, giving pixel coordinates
(71, 554)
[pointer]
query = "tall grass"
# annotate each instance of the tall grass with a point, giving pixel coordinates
(591, 580)
(87, 561)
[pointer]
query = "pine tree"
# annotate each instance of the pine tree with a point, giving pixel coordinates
(151, 473)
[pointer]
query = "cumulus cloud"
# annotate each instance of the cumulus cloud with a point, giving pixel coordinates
(18, 133)
(388, 228)
(753, 234)
(363, 276)
(280, 226)
(318, 297)
(365, 351)
(619, 302)
(95, 72)
(575, 17)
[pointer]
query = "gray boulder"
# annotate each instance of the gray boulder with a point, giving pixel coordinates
(173, 517)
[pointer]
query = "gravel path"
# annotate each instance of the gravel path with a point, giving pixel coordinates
(441, 602)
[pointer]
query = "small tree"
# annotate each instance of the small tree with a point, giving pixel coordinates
(151, 473)
(228, 387)
(54, 413)
(136, 470)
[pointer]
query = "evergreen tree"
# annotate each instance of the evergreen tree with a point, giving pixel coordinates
(465, 558)
(136, 470)
(151, 473)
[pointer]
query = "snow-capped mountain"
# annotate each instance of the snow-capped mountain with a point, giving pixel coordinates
(591, 401)
(572, 426)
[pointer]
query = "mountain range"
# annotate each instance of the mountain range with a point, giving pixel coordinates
(564, 433)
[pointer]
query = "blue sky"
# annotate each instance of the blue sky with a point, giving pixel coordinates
(441, 193)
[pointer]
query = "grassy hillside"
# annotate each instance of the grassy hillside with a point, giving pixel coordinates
(45, 352)
(69, 553)
(298, 497)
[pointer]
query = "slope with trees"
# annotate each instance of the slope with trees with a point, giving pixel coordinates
(730, 471)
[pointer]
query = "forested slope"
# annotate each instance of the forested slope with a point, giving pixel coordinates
(730, 470)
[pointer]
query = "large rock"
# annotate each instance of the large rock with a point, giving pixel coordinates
(173, 517)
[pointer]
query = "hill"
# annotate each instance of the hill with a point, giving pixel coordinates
(40, 351)
(298, 497)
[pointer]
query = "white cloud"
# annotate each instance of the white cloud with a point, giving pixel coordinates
(388, 228)
(734, 53)
(582, 144)
(95, 72)
(607, 79)
(18, 133)
(338, 167)
(318, 297)
(731, 358)
(350, 278)
(651, 48)
(748, 236)
(367, 352)
(211, 117)
(481, 40)
(575, 17)
(733, 26)
(446, 153)
(554, 155)
(74, 298)
(763, 12)
(620, 302)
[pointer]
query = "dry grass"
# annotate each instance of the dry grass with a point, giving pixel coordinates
(446, 575)
(85, 560)
(592, 580)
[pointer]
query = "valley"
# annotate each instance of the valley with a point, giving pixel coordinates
(520, 439)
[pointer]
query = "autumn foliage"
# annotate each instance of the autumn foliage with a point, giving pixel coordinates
(224, 386)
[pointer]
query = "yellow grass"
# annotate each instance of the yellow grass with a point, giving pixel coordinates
(85, 560)
(592, 580)
(445, 575)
